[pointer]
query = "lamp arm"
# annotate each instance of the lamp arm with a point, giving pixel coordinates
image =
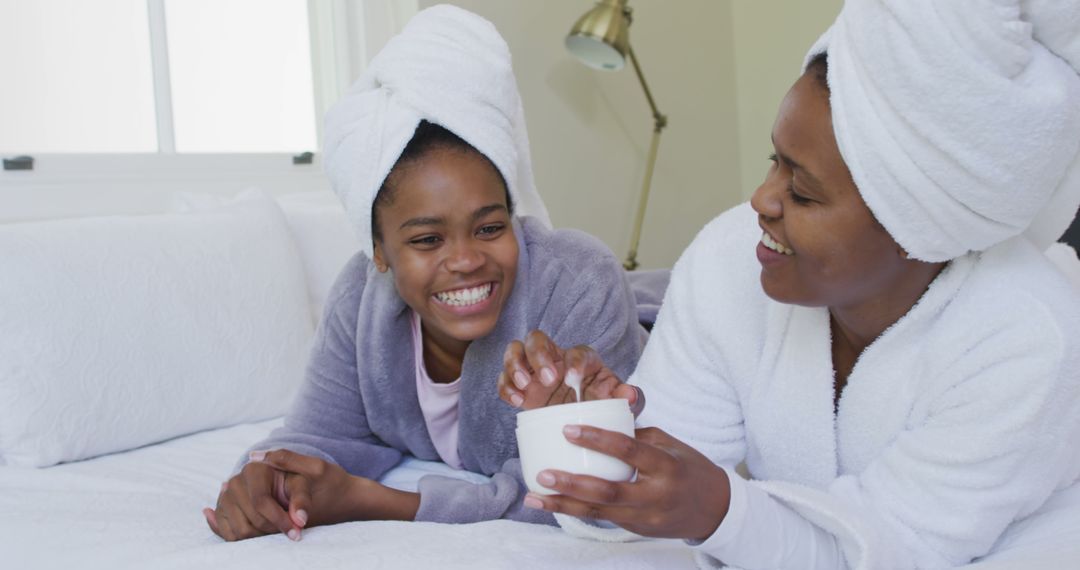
(660, 121)
(658, 117)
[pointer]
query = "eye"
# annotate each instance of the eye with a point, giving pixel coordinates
(773, 158)
(490, 230)
(796, 197)
(425, 242)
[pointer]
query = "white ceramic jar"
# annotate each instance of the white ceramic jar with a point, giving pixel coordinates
(542, 445)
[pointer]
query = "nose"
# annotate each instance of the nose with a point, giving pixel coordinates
(768, 198)
(464, 257)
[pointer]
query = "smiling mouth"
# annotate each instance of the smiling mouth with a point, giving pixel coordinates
(465, 297)
(774, 245)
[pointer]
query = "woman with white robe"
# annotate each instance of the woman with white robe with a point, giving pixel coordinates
(878, 334)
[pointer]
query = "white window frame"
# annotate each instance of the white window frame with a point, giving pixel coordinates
(344, 35)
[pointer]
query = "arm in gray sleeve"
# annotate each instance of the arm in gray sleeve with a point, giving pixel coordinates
(328, 418)
(449, 500)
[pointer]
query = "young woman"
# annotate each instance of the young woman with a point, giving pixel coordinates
(409, 348)
(877, 336)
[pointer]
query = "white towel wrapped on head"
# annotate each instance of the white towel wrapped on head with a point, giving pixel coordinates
(450, 67)
(959, 120)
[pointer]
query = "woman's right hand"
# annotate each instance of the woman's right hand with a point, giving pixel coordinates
(535, 372)
(253, 503)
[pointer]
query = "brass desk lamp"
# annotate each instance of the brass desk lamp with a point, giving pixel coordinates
(601, 40)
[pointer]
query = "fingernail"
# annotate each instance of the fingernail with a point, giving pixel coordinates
(547, 376)
(517, 400)
(545, 478)
(520, 379)
(572, 432)
(301, 516)
(224, 486)
(533, 503)
(294, 535)
(257, 455)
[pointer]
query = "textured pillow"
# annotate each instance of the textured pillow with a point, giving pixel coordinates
(325, 238)
(123, 331)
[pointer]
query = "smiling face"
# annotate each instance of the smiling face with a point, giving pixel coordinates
(821, 246)
(445, 234)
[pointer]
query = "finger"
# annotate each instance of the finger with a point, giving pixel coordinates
(580, 509)
(603, 386)
(299, 489)
(237, 523)
(542, 356)
(507, 393)
(279, 493)
(252, 491)
(211, 520)
(224, 526)
(290, 461)
(562, 394)
(589, 489)
(642, 455)
(516, 365)
(597, 381)
(632, 394)
(583, 360)
(271, 511)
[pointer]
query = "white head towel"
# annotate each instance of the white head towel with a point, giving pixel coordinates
(959, 119)
(449, 67)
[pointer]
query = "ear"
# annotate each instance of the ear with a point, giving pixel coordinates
(380, 260)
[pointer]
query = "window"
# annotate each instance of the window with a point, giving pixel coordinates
(240, 75)
(78, 77)
(137, 76)
(117, 104)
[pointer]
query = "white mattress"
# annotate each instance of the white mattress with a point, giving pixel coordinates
(142, 509)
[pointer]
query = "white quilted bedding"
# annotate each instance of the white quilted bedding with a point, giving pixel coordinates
(141, 509)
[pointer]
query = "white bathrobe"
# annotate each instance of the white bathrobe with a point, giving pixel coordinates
(962, 419)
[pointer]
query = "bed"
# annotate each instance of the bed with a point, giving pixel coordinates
(141, 509)
(141, 355)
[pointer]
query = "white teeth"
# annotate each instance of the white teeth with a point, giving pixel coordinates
(775, 245)
(465, 297)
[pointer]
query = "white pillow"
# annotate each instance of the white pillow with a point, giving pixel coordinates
(123, 331)
(325, 238)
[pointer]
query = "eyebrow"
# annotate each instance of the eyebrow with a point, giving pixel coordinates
(481, 212)
(796, 166)
(429, 221)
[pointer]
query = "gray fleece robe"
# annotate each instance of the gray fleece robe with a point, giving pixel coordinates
(358, 406)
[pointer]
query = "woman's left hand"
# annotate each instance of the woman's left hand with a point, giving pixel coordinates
(327, 494)
(678, 492)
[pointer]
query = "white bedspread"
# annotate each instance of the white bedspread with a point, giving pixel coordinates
(142, 509)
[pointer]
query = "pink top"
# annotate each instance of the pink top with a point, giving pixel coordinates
(438, 402)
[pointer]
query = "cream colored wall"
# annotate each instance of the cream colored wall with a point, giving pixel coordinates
(717, 68)
(590, 130)
(771, 38)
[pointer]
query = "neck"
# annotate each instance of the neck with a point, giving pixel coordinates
(443, 356)
(860, 324)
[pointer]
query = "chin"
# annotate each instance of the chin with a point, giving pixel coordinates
(468, 332)
(777, 291)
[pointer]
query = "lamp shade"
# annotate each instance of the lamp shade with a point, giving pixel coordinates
(601, 38)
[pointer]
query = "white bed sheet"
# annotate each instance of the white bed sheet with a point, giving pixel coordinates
(142, 509)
